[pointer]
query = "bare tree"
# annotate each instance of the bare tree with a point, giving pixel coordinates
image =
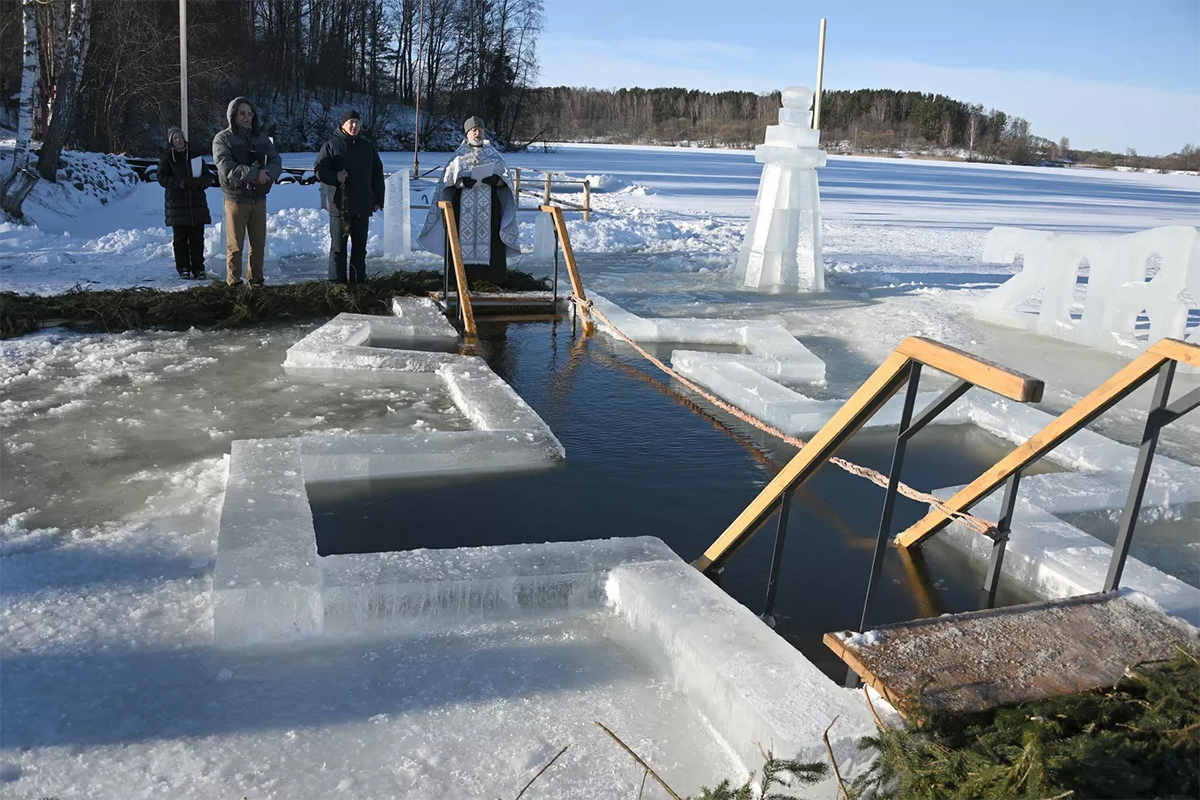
(67, 80)
(21, 179)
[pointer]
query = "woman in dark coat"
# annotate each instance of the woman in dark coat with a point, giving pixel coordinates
(186, 205)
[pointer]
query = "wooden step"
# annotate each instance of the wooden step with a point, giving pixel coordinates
(508, 306)
(982, 659)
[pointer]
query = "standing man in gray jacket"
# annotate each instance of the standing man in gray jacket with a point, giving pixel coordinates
(248, 164)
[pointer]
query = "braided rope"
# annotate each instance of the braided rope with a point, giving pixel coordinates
(977, 524)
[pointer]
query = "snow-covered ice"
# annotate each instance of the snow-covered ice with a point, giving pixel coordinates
(111, 683)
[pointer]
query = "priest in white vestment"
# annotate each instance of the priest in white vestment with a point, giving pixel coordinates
(477, 182)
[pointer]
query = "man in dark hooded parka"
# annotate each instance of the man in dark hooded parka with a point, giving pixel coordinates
(248, 164)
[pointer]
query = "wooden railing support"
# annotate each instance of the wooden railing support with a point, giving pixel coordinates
(885, 382)
(1104, 397)
(460, 270)
(577, 293)
(587, 200)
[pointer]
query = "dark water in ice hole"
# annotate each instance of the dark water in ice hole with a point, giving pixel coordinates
(642, 462)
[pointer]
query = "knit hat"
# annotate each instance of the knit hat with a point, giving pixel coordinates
(174, 129)
(349, 114)
(472, 123)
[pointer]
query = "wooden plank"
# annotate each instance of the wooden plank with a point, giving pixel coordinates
(564, 239)
(460, 271)
(884, 382)
(1001, 380)
(1184, 352)
(1108, 394)
(982, 659)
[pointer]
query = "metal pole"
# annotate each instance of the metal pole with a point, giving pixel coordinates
(785, 507)
(816, 120)
(183, 78)
(1133, 504)
(417, 96)
(889, 498)
(992, 582)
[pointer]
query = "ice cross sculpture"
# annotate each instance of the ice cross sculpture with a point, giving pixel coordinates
(782, 250)
(1121, 285)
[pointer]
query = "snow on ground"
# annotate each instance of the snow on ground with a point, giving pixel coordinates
(109, 684)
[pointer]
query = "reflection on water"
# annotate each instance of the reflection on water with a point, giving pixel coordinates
(641, 460)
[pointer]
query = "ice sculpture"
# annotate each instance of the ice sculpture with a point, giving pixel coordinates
(782, 250)
(397, 216)
(1122, 285)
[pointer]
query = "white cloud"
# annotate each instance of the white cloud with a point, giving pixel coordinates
(1093, 114)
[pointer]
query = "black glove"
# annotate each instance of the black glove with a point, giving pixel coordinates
(492, 180)
(183, 183)
(465, 182)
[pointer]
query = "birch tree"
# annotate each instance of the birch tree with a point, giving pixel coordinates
(67, 80)
(20, 178)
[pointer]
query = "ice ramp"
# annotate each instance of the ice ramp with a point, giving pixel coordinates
(981, 659)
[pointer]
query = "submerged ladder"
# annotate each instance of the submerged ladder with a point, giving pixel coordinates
(909, 662)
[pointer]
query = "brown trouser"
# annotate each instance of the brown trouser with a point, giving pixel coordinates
(242, 219)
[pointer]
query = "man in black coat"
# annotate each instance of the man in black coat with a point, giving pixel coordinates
(186, 206)
(351, 175)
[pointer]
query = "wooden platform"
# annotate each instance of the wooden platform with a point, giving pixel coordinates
(978, 660)
(508, 306)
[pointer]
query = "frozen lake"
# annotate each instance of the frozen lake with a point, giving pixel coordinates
(113, 466)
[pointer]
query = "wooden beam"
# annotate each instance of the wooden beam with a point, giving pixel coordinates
(1104, 397)
(460, 271)
(887, 379)
(993, 377)
(564, 239)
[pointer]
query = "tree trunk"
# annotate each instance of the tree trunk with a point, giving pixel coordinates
(20, 178)
(68, 88)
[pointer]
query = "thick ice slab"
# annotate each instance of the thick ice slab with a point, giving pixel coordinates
(749, 683)
(773, 352)
(267, 586)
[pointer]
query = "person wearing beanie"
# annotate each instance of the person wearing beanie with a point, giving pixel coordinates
(185, 206)
(477, 182)
(248, 165)
(351, 176)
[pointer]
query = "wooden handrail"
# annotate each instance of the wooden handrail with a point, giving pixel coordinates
(883, 383)
(1104, 397)
(581, 301)
(460, 271)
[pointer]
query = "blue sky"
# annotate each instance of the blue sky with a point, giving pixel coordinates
(1109, 75)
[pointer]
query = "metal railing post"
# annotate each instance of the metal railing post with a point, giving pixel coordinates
(785, 506)
(1137, 487)
(889, 499)
(1000, 538)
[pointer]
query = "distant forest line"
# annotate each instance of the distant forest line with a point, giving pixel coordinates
(860, 121)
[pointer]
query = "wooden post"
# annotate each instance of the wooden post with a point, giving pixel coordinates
(460, 271)
(816, 118)
(546, 199)
(560, 225)
(517, 187)
(587, 200)
(183, 76)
